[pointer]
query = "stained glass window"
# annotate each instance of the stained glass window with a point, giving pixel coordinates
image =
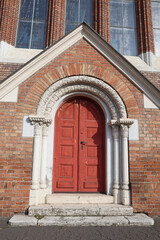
(32, 24)
(156, 25)
(123, 26)
(77, 11)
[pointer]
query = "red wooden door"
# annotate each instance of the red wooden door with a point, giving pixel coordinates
(79, 155)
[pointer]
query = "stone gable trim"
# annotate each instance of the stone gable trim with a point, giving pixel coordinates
(82, 31)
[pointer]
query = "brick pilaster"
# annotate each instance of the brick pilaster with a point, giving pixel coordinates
(144, 26)
(102, 18)
(55, 22)
(8, 20)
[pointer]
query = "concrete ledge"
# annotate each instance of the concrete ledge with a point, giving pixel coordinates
(23, 220)
(136, 220)
(140, 219)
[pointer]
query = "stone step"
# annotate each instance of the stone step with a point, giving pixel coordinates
(78, 198)
(81, 210)
(136, 220)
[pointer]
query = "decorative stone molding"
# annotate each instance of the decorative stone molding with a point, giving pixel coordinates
(126, 121)
(36, 119)
(88, 84)
(40, 120)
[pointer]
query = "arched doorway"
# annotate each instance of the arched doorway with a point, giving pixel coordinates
(79, 147)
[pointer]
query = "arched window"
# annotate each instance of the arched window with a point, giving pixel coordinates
(77, 11)
(32, 24)
(156, 25)
(123, 26)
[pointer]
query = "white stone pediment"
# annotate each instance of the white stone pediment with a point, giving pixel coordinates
(81, 32)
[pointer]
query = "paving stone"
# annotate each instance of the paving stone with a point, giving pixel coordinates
(23, 220)
(140, 219)
(83, 221)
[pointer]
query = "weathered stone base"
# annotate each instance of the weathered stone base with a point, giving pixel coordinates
(81, 210)
(136, 219)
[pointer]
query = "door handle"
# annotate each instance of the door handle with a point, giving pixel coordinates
(82, 143)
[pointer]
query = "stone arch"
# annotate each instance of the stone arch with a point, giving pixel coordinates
(86, 84)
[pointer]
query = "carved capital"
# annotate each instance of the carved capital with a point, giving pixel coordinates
(124, 131)
(115, 129)
(125, 123)
(47, 122)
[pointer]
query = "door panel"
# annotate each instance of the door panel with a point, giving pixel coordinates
(66, 148)
(91, 163)
(79, 153)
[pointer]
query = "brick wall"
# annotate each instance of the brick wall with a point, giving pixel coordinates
(8, 68)
(145, 164)
(16, 152)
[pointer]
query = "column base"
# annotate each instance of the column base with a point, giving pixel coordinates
(33, 200)
(34, 187)
(126, 197)
(43, 185)
(117, 196)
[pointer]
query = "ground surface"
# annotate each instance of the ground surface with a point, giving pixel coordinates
(79, 233)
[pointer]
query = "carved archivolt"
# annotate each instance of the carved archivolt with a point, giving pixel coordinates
(87, 84)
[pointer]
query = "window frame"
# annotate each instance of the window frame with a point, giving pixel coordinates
(79, 22)
(32, 21)
(123, 28)
(156, 48)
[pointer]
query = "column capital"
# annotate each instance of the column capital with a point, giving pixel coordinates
(47, 122)
(115, 128)
(113, 123)
(125, 123)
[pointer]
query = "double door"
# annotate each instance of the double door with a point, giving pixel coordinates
(79, 147)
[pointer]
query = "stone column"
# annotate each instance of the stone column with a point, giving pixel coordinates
(37, 122)
(46, 125)
(124, 125)
(116, 181)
